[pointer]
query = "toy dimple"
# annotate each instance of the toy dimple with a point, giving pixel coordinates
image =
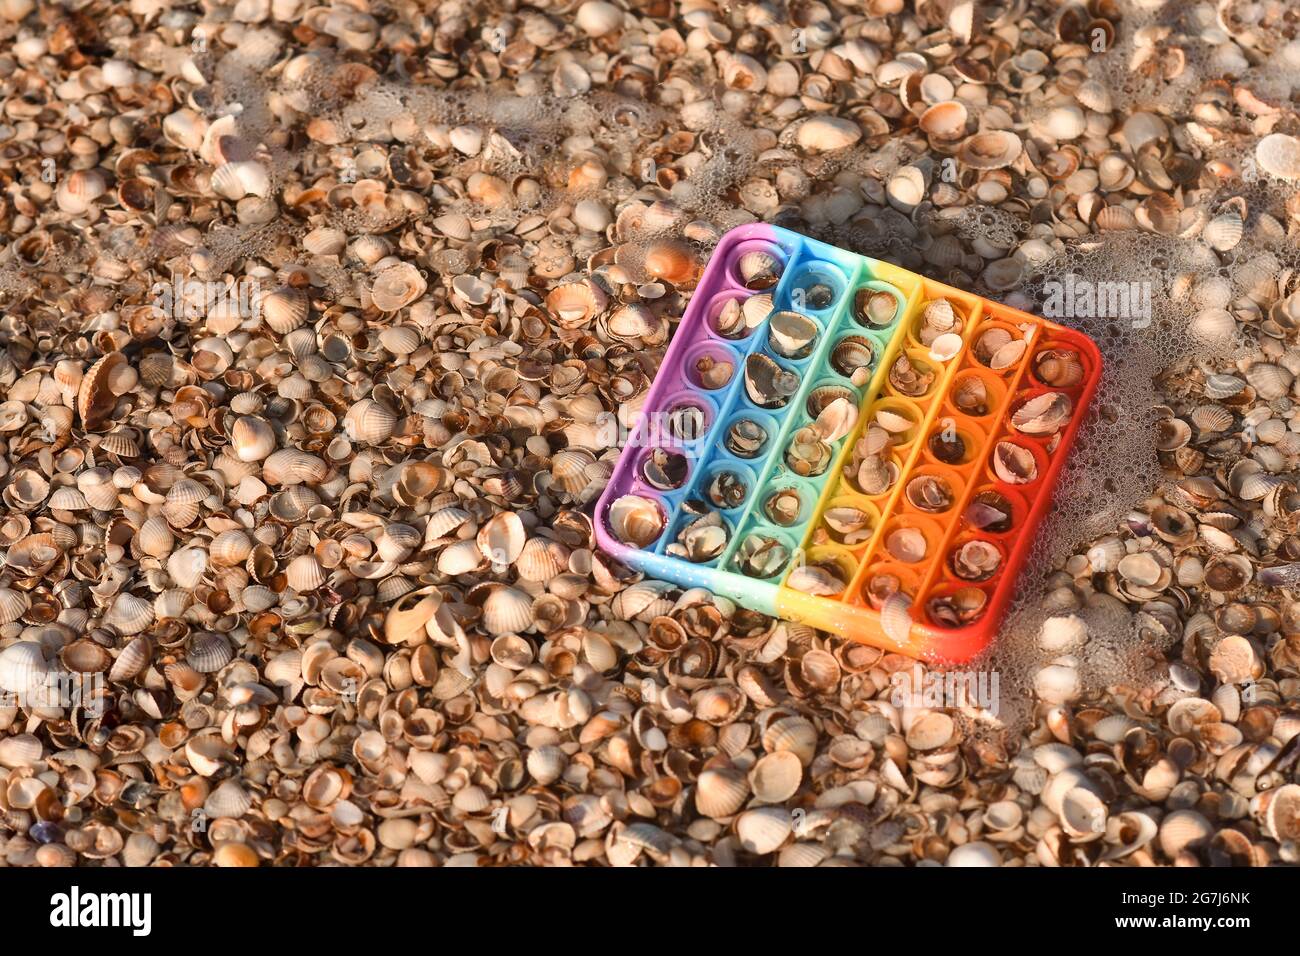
(840, 442)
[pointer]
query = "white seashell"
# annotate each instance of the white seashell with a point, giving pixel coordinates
(13, 605)
(370, 423)
(236, 180)
(502, 538)
(21, 750)
(229, 799)
(1279, 155)
(507, 610)
(284, 309)
(304, 573)
(130, 614)
(763, 830)
(187, 567)
(546, 763)
(720, 792)
(252, 439)
(23, 668)
(776, 777)
(291, 466)
(131, 660)
(975, 853)
(1223, 232)
(822, 133)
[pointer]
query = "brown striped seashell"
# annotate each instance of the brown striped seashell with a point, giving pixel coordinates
(131, 660)
(369, 423)
(230, 548)
(507, 610)
(290, 466)
(96, 396)
(13, 605)
(67, 498)
(721, 792)
(541, 560)
(85, 657)
(155, 537)
(400, 339)
(130, 614)
(284, 309)
(304, 573)
(207, 652)
(252, 439)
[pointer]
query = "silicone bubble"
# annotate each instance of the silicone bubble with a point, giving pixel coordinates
(955, 412)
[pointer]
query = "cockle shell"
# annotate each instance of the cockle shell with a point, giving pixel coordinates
(24, 668)
(397, 287)
(369, 423)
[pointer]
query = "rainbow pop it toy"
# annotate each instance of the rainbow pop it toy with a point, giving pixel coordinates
(840, 442)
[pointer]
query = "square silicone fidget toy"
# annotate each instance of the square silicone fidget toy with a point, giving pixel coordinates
(837, 441)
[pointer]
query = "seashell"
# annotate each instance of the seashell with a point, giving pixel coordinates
(852, 357)
(816, 580)
(369, 423)
(502, 537)
(23, 668)
(131, 660)
(284, 309)
(208, 653)
(13, 605)
(546, 764)
(1223, 232)
(759, 270)
(507, 610)
(67, 498)
(100, 386)
(574, 304)
(230, 548)
(767, 384)
(775, 778)
(720, 793)
(130, 614)
(792, 335)
(229, 799)
(670, 261)
(702, 539)
(290, 466)
(80, 189)
(824, 133)
(636, 520)
(462, 558)
(1013, 464)
(975, 853)
(252, 439)
(763, 830)
(187, 567)
(1210, 419)
(400, 339)
(1281, 817)
(236, 180)
(85, 657)
(990, 149)
(1279, 155)
(795, 734)
(1044, 414)
(1182, 829)
(20, 750)
(304, 573)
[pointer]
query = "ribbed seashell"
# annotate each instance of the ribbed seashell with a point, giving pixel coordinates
(291, 504)
(574, 304)
(23, 667)
(13, 605)
(990, 149)
(27, 487)
(121, 444)
(208, 652)
(229, 799)
(370, 249)
(398, 542)
(155, 537)
(97, 485)
(1181, 829)
(130, 614)
(796, 734)
(230, 547)
(252, 439)
(370, 423)
(21, 750)
(131, 660)
(187, 567)
(460, 558)
(236, 180)
(507, 610)
(763, 830)
(1213, 325)
(400, 339)
(776, 776)
(720, 793)
(325, 241)
(541, 560)
(291, 466)
(502, 538)
(546, 763)
(1211, 418)
(1223, 232)
(285, 309)
(570, 469)
(304, 573)
(67, 498)
(257, 598)
(85, 657)
(444, 521)
(1270, 382)
(80, 189)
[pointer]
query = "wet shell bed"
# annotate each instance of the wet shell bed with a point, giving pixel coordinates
(321, 329)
